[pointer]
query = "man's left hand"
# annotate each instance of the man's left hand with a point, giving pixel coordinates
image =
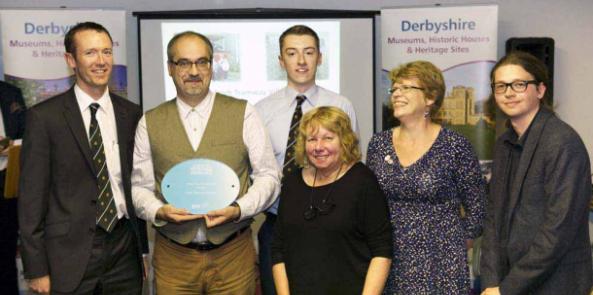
(5, 148)
(491, 291)
(221, 216)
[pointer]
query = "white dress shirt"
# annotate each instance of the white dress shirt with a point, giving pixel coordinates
(106, 119)
(265, 174)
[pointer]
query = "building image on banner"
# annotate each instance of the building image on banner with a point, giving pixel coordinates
(33, 50)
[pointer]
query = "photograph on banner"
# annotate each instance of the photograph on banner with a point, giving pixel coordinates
(462, 42)
(33, 50)
(241, 48)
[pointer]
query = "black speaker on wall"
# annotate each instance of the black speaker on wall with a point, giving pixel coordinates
(542, 48)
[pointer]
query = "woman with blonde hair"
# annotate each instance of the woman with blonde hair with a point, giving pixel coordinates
(428, 173)
(332, 235)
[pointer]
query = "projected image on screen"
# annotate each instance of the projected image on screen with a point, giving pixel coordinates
(245, 59)
(226, 65)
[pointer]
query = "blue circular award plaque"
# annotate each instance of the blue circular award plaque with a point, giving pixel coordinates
(200, 185)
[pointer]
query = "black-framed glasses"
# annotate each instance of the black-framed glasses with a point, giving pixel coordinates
(324, 208)
(518, 86)
(203, 64)
(403, 89)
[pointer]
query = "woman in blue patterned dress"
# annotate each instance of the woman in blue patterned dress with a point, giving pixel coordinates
(428, 173)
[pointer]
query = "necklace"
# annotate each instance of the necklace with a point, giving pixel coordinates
(326, 205)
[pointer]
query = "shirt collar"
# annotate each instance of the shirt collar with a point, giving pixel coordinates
(84, 100)
(514, 138)
(202, 108)
(311, 95)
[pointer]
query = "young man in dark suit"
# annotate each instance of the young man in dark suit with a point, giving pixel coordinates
(12, 126)
(79, 231)
(536, 238)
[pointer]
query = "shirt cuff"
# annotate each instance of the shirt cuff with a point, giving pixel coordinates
(235, 204)
(151, 213)
(242, 207)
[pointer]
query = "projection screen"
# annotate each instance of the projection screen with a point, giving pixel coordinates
(246, 54)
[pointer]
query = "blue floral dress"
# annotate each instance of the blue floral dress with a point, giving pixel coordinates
(425, 201)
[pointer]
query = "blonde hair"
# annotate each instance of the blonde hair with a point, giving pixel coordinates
(335, 120)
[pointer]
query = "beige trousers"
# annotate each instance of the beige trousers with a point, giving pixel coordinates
(230, 269)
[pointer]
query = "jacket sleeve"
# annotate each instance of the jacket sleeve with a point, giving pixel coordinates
(33, 195)
(489, 260)
(20, 113)
(489, 272)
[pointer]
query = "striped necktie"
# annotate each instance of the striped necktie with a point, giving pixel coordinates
(289, 163)
(106, 211)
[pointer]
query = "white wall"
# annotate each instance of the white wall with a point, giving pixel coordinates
(568, 22)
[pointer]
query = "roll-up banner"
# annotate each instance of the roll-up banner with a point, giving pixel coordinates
(462, 42)
(33, 49)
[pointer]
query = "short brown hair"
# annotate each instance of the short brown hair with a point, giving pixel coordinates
(429, 77)
(69, 43)
(299, 30)
(335, 120)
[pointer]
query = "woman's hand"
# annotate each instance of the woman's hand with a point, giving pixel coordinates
(280, 279)
(376, 276)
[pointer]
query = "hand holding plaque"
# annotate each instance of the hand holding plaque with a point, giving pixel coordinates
(221, 216)
(200, 185)
(171, 214)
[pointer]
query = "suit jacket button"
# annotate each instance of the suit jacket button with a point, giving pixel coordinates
(92, 230)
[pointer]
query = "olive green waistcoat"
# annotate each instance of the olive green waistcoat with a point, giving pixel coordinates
(222, 141)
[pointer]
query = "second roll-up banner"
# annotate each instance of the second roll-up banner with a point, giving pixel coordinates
(462, 42)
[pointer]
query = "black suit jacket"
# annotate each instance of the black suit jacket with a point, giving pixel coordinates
(13, 110)
(58, 188)
(548, 249)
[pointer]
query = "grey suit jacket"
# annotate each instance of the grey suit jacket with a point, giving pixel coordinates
(548, 249)
(58, 189)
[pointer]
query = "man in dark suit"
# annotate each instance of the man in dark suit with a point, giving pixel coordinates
(536, 238)
(78, 225)
(12, 125)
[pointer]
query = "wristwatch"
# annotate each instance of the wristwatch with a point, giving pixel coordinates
(235, 204)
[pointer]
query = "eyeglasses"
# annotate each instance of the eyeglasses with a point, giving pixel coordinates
(517, 86)
(403, 89)
(203, 64)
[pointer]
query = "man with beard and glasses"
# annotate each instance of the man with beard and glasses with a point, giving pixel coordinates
(211, 253)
